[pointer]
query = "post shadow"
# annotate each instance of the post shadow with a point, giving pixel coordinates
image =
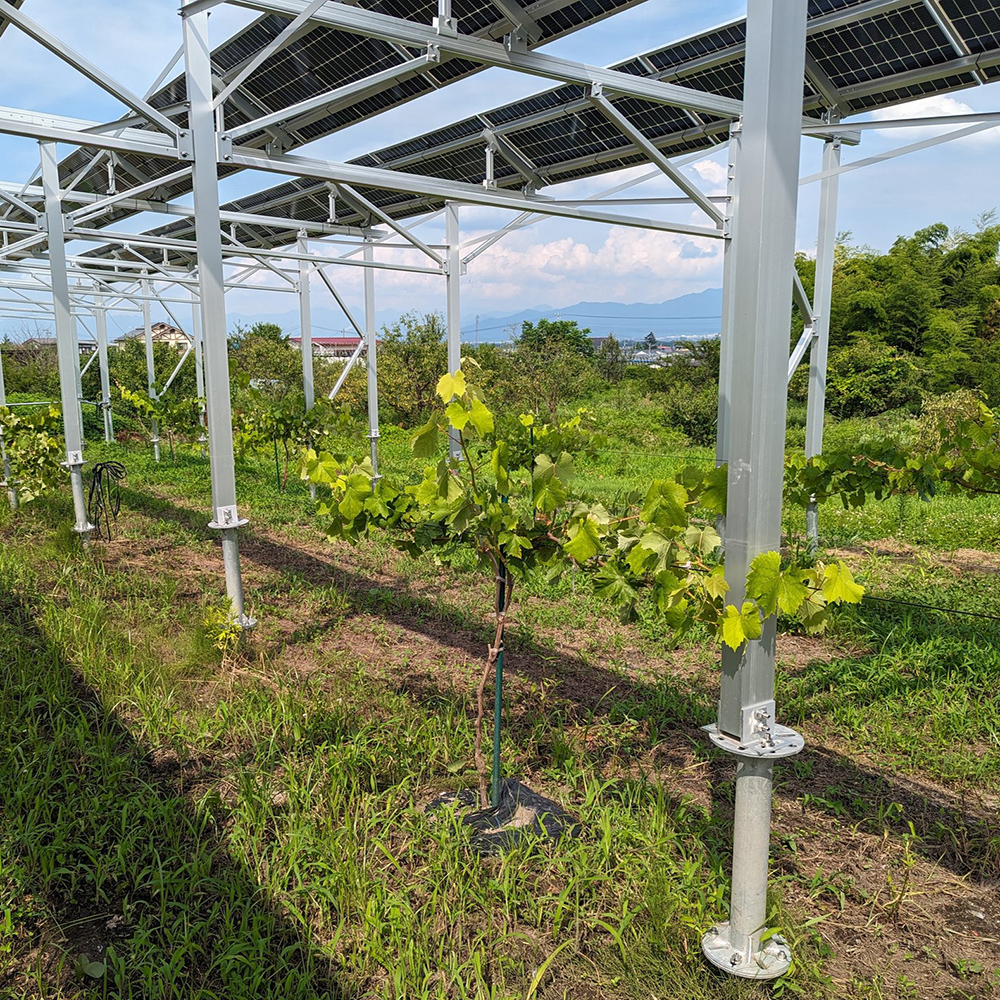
(107, 851)
(586, 689)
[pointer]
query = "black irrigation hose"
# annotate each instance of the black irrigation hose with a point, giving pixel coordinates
(105, 500)
(931, 607)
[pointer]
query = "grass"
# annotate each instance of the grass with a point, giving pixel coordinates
(253, 825)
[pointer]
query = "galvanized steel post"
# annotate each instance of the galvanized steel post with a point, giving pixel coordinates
(453, 279)
(67, 345)
(8, 478)
(371, 355)
(150, 362)
(761, 282)
(101, 322)
(205, 182)
(822, 299)
(199, 367)
(305, 332)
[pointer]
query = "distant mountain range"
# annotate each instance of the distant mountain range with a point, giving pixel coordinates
(694, 315)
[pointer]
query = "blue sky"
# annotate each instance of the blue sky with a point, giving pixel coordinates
(555, 263)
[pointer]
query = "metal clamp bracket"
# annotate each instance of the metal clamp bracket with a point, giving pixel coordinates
(225, 147)
(227, 517)
(185, 144)
(773, 960)
(778, 741)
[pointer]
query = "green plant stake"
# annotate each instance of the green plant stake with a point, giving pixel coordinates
(277, 464)
(498, 682)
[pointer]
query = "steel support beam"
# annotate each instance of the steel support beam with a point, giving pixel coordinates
(198, 63)
(445, 190)
(761, 279)
(823, 296)
(728, 324)
(147, 327)
(453, 290)
(199, 367)
(8, 478)
(371, 357)
(101, 322)
(67, 348)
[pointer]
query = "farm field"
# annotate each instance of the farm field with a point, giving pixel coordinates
(252, 825)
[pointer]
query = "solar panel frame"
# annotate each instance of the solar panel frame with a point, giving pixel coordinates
(885, 55)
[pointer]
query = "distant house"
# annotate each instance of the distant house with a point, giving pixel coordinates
(30, 348)
(330, 347)
(163, 333)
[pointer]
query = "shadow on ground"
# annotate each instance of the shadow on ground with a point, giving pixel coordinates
(104, 855)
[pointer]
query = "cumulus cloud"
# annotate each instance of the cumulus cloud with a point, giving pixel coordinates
(712, 172)
(940, 105)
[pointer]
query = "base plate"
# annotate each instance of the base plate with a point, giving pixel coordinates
(784, 742)
(773, 960)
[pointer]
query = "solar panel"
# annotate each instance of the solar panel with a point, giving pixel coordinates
(874, 54)
(320, 59)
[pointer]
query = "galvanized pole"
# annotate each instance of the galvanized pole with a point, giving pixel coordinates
(371, 356)
(8, 478)
(199, 366)
(728, 324)
(761, 278)
(305, 332)
(453, 279)
(101, 322)
(150, 363)
(205, 184)
(67, 346)
(822, 299)
(305, 324)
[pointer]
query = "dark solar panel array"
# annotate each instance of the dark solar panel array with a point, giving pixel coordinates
(885, 54)
(320, 59)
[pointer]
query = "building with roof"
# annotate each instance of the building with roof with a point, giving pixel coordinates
(329, 347)
(163, 333)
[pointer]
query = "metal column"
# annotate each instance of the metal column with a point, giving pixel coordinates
(371, 355)
(761, 281)
(822, 298)
(150, 363)
(205, 183)
(199, 366)
(8, 478)
(728, 324)
(305, 324)
(305, 332)
(67, 346)
(101, 322)
(453, 279)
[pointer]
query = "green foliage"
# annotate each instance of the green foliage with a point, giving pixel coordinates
(957, 447)
(516, 512)
(867, 378)
(33, 441)
(174, 414)
(611, 361)
(559, 334)
(265, 421)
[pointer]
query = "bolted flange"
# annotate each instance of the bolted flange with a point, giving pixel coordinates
(773, 960)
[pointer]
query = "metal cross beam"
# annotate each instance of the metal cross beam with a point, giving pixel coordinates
(488, 53)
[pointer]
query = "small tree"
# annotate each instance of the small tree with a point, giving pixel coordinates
(650, 340)
(612, 361)
(566, 334)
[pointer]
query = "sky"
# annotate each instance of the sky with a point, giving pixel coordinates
(557, 262)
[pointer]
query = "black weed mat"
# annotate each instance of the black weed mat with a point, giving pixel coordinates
(521, 815)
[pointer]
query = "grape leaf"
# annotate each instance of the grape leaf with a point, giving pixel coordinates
(584, 541)
(839, 585)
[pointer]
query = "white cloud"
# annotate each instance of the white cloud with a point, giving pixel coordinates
(940, 105)
(712, 172)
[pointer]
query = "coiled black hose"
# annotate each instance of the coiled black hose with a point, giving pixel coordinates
(105, 500)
